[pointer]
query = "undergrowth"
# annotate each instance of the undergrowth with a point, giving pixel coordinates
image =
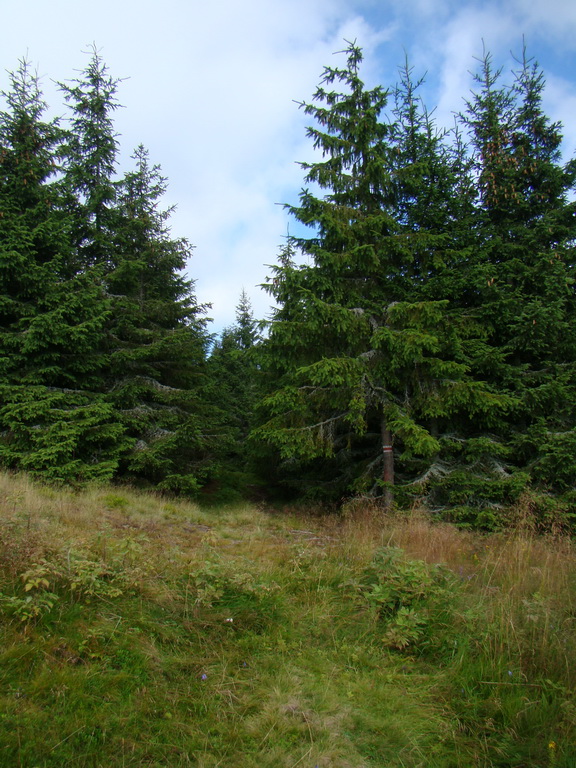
(138, 631)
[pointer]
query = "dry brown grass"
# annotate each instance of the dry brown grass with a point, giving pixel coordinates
(522, 584)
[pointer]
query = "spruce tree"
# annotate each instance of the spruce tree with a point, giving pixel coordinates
(30, 237)
(157, 335)
(236, 388)
(51, 320)
(246, 328)
(363, 363)
(234, 369)
(437, 195)
(90, 160)
(526, 268)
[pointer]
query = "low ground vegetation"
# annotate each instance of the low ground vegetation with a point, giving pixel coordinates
(142, 631)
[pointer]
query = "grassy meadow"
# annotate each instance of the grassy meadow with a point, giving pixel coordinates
(142, 631)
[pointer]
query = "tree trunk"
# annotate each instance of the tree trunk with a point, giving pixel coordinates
(388, 466)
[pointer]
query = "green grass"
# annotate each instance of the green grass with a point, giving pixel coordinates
(140, 631)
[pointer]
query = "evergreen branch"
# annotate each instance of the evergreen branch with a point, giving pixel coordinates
(324, 423)
(147, 380)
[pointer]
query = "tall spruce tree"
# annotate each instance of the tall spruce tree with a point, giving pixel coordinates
(526, 215)
(51, 320)
(90, 154)
(437, 194)
(362, 367)
(158, 337)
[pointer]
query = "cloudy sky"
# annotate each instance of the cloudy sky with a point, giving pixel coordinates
(210, 90)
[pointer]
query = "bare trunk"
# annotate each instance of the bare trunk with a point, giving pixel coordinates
(388, 466)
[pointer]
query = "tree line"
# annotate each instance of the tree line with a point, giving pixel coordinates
(424, 351)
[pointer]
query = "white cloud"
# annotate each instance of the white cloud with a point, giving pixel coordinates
(470, 32)
(560, 104)
(553, 19)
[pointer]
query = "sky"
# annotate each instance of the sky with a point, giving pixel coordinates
(212, 90)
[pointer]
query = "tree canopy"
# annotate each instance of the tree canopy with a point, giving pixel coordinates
(422, 343)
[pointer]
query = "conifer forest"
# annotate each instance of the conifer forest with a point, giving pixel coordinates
(421, 347)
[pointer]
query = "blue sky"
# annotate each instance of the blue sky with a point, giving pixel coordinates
(211, 92)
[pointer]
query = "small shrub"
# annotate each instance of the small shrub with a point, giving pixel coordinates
(115, 502)
(76, 575)
(30, 608)
(413, 599)
(228, 589)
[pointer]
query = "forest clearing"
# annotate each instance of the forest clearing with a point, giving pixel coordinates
(144, 631)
